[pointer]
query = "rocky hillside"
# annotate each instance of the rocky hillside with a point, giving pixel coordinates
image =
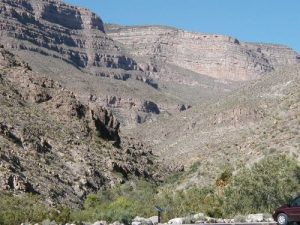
(92, 101)
(260, 119)
(54, 145)
(218, 56)
(60, 38)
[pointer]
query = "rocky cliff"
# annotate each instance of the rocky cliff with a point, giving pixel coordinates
(218, 56)
(62, 31)
(54, 145)
(71, 114)
(78, 36)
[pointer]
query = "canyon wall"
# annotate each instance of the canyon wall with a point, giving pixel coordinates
(218, 56)
(62, 31)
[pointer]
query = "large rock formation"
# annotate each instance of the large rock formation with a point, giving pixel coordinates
(54, 145)
(148, 65)
(218, 56)
(175, 82)
(60, 30)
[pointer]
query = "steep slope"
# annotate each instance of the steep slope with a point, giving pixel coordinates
(183, 87)
(218, 56)
(69, 44)
(261, 118)
(56, 146)
(62, 31)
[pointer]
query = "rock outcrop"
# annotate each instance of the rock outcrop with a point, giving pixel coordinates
(62, 31)
(54, 145)
(62, 133)
(74, 35)
(218, 56)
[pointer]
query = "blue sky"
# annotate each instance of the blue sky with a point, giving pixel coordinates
(271, 21)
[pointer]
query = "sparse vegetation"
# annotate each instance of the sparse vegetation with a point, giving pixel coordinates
(28, 208)
(268, 184)
(56, 136)
(15, 210)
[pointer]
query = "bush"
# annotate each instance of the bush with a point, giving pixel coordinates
(268, 184)
(17, 210)
(121, 203)
(60, 215)
(125, 202)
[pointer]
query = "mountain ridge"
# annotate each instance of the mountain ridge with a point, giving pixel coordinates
(97, 105)
(53, 145)
(192, 50)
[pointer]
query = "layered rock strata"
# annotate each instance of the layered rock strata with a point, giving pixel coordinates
(62, 31)
(218, 56)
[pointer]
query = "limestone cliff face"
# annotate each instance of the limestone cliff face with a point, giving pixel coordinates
(78, 36)
(218, 56)
(62, 31)
(72, 34)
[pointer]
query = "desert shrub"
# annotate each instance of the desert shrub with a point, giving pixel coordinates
(225, 176)
(60, 215)
(121, 203)
(18, 209)
(194, 167)
(268, 184)
(215, 212)
(186, 202)
(124, 202)
(264, 186)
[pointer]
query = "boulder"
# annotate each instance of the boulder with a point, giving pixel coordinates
(228, 220)
(176, 221)
(199, 216)
(181, 107)
(268, 217)
(136, 223)
(117, 223)
(153, 219)
(220, 220)
(210, 219)
(141, 221)
(255, 218)
(100, 223)
(105, 123)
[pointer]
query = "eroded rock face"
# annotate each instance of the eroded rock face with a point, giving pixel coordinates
(106, 124)
(218, 56)
(69, 17)
(54, 145)
(130, 110)
(162, 58)
(11, 182)
(62, 31)
(236, 115)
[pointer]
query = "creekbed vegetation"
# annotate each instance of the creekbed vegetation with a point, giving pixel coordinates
(259, 188)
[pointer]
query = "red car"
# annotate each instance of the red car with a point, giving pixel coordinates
(288, 213)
